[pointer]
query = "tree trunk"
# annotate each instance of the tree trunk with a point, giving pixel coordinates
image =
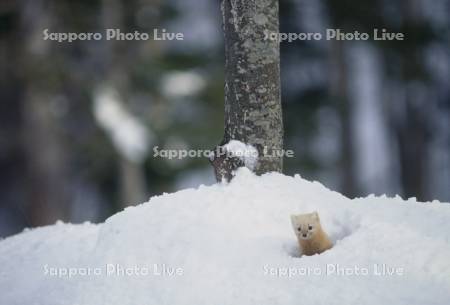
(44, 148)
(252, 85)
(339, 91)
(133, 188)
(411, 123)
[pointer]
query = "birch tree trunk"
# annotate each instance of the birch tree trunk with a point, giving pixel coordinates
(253, 112)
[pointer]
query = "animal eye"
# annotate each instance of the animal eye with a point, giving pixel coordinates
(310, 227)
(299, 229)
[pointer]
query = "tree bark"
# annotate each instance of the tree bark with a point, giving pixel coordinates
(253, 113)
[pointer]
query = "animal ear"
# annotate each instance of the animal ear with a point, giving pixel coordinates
(315, 215)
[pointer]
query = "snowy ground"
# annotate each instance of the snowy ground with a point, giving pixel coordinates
(233, 244)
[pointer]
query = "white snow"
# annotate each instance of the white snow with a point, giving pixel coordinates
(246, 152)
(233, 244)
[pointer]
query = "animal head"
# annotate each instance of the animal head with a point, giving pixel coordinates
(305, 225)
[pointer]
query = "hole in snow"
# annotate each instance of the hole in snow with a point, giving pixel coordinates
(293, 250)
(338, 230)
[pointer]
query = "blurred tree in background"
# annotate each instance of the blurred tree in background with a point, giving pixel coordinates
(79, 121)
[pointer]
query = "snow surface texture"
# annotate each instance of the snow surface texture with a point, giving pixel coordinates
(246, 152)
(234, 244)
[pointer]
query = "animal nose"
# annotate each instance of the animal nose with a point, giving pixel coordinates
(304, 234)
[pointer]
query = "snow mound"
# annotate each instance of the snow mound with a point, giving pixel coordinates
(233, 244)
